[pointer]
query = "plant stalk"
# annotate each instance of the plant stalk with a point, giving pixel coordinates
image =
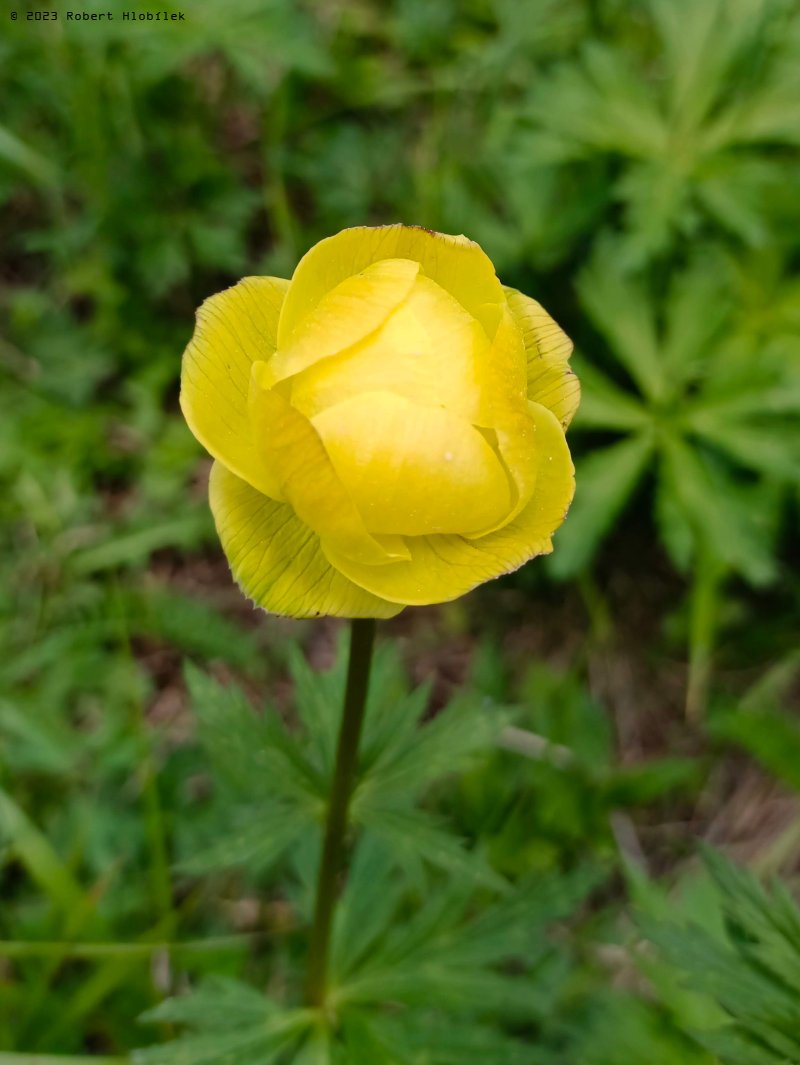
(362, 637)
(704, 607)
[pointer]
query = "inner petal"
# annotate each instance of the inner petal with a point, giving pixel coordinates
(349, 312)
(429, 350)
(413, 470)
(457, 264)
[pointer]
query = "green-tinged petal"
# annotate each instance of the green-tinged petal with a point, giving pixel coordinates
(548, 348)
(277, 560)
(445, 567)
(234, 329)
(429, 350)
(293, 450)
(457, 264)
(345, 315)
(413, 470)
(512, 420)
(543, 336)
(555, 387)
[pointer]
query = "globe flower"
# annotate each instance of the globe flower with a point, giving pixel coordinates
(387, 427)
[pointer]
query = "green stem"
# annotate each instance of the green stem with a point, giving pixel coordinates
(703, 618)
(362, 636)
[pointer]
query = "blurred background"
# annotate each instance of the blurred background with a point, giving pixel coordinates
(635, 167)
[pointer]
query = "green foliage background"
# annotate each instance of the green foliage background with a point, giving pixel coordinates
(524, 887)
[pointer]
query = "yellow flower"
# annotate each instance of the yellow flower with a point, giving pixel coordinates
(388, 426)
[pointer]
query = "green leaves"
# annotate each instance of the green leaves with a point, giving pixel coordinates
(634, 166)
(759, 724)
(608, 478)
(275, 780)
(674, 125)
(752, 972)
(433, 952)
(229, 1022)
(447, 962)
(703, 418)
(411, 975)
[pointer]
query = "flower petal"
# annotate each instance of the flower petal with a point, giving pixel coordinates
(550, 380)
(356, 307)
(277, 560)
(445, 567)
(234, 329)
(429, 350)
(413, 470)
(457, 264)
(293, 450)
(556, 388)
(503, 409)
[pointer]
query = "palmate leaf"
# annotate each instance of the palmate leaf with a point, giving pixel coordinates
(621, 1029)
(273, 778)
(259, 42)
(252, 754)
(598, 104)
(443, 1039)
(266, 834)
(699, 310)
(708, 408)
(392, 711)
(229, 1023)
(737, 521)
(604, 404)
(410, 761)
(621, 309)
(317, 1049)
(415, 837)
(762, 727)
(365, 1041)
(733, 190)
(677, 532)
(754, 446)
(372, 897)
(762, 923)
(419, 973)
(686, 127)
(269, 796)
(441, 972)
(657, 207)
(752, 971)
(221, 1003)
(606, 480)
(189, 624)
(443, 953)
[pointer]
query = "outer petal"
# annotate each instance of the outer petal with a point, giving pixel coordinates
(445, 567)
(457, 264)
(234, 329)
(503, 408)
(411, 469)
(348, 313)
(277, 560)
(550, 380)
(293, 450)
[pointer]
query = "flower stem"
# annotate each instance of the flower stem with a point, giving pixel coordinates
(362, 636)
